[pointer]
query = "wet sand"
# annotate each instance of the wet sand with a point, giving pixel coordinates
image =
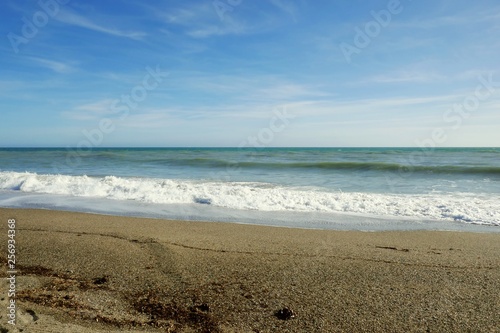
(94, 273)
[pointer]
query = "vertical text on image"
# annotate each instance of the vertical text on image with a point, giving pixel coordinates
(11, 270)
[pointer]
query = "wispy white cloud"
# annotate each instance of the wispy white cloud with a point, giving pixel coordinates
(89, 111)
(432, 23)
(374, 108)
(405, 77)
(214, 30)
(199, 20)
(56, 66)
(290, 91)
(471, 74)
(189, 15)
(13, 85)
(68, 17)
(287, 7)
(459, 18)
(202, 21)
(250, 87)
(151, 119)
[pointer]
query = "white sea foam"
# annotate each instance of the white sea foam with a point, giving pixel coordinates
(262, 197)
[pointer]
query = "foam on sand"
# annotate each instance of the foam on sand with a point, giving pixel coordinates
(261, 197)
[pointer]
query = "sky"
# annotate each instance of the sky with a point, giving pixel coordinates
(241, 73)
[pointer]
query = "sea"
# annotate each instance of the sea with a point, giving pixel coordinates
(366, 189)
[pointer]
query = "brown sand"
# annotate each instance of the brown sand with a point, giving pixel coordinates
(94, 273)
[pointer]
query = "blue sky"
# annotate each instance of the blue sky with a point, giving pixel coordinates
(283, 72)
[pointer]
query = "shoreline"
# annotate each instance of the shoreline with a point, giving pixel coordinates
(341, 221)
(84, 272)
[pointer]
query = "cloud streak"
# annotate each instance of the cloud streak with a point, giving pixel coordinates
(68, 17)
(56, 66)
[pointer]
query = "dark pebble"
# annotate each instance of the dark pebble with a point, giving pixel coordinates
(285, 314)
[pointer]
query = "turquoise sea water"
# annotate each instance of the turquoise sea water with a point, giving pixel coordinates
(459, 185)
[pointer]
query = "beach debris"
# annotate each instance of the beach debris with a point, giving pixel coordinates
(202, 307)
(285, 314)
(32, 314)
(161, 307)
(392, 248)
(101, 280)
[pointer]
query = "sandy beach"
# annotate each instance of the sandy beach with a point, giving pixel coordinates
(94, 273)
